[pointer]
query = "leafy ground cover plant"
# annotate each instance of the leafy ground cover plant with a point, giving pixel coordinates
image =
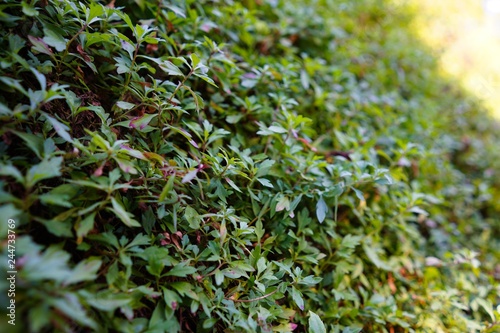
(220, 166)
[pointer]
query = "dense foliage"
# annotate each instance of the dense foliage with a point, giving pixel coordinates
(253, 166)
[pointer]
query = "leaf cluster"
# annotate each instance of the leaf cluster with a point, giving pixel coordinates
(253, 166)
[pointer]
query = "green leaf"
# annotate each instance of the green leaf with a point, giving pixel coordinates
(222, 232)
(49, 147)
(106, 237)
(14, 84)
(40, 77)
(235, 118)
(198, 101)
(177, 10)
(11, 171)
(359, 194)
(171, 298)
(60, 196)
(315, 324)
(157, 259)
(54, 39)
(39, 46)
(148, 220)
(487, 306)
(209, 323)
(130, 48)
(158, 318)
(126, 18)
(261, 265)
(47, 168)
(125, 105)
(234, 273)
(83, 227)
(273, 129)
(207, 79)
(5, 110)
(84, 271)
(124, 149)
(29, 10)
(34, 142)
(126, 166)
(188, 177)
(219, 277)
(8, 211)
(195, 60)
(93, 12)
(321, 209)
(56, 227)
(310, 280)
(297, 298)
(181, 270)
(141, 122)
(139, 240)
(51, 265)
(282, 204)
(277, 129)
(418, 210)
(334, 191)
(107, 300)
(71, 307)
(38, 317)
(169, 186)
(123, 215)
(350, 241)
(171, 69)
(123, 65)
(185, 289)
(232, 184)
(371, 253)
(100, 141)
(192, 218)
(265, 182)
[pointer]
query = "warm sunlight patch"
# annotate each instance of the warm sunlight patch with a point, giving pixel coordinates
(467, 32)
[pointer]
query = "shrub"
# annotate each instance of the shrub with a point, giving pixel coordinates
(243, 166)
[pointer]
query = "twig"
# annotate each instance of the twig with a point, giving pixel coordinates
(253, 299)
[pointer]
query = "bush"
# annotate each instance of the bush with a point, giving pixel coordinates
(214, 166)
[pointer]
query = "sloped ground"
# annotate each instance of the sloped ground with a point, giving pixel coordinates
(217, 166)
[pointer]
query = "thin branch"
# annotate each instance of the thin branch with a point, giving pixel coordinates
(253, 299)
(213, 272)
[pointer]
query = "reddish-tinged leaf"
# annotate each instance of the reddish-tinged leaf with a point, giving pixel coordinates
(80, 50)
(189, 176)
(141, 122)
(40, 46)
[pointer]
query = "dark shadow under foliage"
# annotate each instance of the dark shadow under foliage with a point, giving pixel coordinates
(253, 166)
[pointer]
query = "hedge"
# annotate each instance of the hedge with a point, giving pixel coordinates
(241, 166)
